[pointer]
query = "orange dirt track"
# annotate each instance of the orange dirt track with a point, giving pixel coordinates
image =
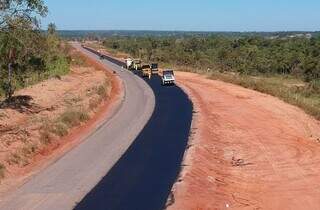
(250, 151)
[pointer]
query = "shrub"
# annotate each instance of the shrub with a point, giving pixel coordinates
(60, 129)
(102, 91)
(94, 102)
(2, 171)
(14, 159)
(29, 150)
(45, 132)
(45, 137)
(314, 86)
(73, 118)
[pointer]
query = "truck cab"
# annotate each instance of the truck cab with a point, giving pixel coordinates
(146, 71)
(154, 68)
(100, 54)
(167, 77)
(129, 63)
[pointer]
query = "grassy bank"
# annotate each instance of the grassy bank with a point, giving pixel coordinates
(290, 90)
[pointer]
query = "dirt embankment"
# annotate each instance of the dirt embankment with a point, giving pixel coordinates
(249, 151)
(47, 119)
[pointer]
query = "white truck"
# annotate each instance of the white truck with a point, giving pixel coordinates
(129, 62)
(167, 77)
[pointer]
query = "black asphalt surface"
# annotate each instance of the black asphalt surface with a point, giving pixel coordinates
(143, 177)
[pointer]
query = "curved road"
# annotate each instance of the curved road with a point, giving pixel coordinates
(117, 175)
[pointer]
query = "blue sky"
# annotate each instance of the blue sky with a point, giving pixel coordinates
(199, 15)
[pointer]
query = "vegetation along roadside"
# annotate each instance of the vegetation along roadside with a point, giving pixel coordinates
(47, 88)
(286, 67)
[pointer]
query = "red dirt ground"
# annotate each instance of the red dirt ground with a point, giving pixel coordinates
(250, 151)
(18, 175)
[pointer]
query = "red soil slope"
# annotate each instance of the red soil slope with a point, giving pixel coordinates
(250, 151)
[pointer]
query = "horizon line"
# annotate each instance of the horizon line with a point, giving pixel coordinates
(147, 30)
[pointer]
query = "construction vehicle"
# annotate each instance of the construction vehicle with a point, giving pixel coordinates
(129, 63)
(100, 54)
(154, 68)
(146, 71)
(167, 77)
(137, 64)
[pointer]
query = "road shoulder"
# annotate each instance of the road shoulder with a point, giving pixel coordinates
(54, 151)
(248, 150)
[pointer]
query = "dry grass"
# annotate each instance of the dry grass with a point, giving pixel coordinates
(94, 102)
(59, 129)
(72, 117)
(102, 90)
(88, 62)
(2, 115)
(61, 126)
(2, 171)
(77, 59)
(73, 100)
(22, 156)
(45, 132)
(14, 159)
(28, 150)
(290, 90)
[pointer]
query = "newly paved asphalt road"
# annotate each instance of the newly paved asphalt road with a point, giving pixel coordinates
(143, 176)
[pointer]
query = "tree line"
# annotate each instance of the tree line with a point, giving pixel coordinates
(27, 53)
(298, 57)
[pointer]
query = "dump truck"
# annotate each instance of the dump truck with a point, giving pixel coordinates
(154, 68)
(146, 70)
(167, 77)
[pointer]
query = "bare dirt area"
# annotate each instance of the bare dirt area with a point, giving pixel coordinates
(44, 121)
(249, 151)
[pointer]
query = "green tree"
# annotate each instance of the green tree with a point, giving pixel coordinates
(52, 29)
(19, 31)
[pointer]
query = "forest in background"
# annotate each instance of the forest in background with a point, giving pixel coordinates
(288, 68)
(98, 35)
(298, 57)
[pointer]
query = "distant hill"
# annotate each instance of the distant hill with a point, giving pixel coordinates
(99, 34)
